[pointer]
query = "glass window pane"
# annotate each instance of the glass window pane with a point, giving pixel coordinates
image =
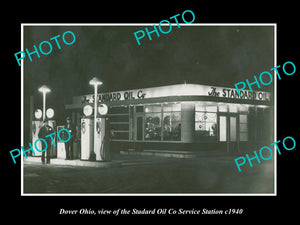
(171, 107)
(176, 116)
(153, 126)
(167, 108)
(243, 127)
(211, 108)
(222, 108)
(206, 117)
(199, 107)
(244, 136)
(243, 118)
(223, 128)
(198, 116)
(172, 131)
(244, 108)
(233, 108)
(205, 129)
(172, 126)
(205, 125)
(119, 118)
(171, 117)
(139, 108)
(207, 108)
(118, 110)
(232, 129)
(176, 107)
(152, 108)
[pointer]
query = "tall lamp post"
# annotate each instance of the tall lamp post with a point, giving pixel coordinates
(44, 89)
(95, 82)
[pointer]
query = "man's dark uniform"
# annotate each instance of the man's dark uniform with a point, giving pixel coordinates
(44, 131)
(69, 144)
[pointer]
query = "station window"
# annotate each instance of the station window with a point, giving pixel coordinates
(163, 122)
(119, 118)
(119, 122)
(205, 123)
(243, 127)
(233, 108)
(152, 122)
(172, 122)
(244, 108)
(118, 110)
(223, 108)
(139, 108)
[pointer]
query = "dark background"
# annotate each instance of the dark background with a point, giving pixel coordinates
(211, 55)
(215, 55)
(39, 209)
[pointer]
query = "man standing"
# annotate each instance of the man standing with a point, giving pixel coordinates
(44, 131)
(69, 144)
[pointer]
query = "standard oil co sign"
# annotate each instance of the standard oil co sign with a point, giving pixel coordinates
(175, 90)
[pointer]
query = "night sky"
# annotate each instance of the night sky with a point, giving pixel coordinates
(209, 55)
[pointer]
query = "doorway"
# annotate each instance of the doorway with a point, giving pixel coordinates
(139, 128)
(228, 131)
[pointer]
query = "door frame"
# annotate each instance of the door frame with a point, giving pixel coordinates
(137, 115)
(229, 144)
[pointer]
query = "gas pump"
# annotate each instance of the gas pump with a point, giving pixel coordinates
(102, 142)
(36, 126)
(87, 134)
(61, 150)
(99, 138)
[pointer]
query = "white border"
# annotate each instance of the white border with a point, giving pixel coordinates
(151, 24)
(22, 110)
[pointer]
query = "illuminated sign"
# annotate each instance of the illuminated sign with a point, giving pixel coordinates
(233, 93)
(175, 91)
(115, 96)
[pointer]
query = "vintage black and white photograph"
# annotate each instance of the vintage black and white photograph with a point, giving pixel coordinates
(129, 109)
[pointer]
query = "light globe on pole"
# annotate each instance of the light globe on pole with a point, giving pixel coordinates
(44, 89)
(95, 82)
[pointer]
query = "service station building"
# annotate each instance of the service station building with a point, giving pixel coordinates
(184, 117)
